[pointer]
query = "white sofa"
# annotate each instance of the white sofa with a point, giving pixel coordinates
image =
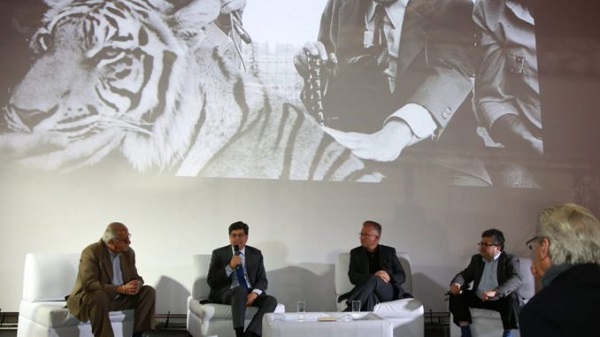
(487, 323)
(210, 319)
(47, 279)
(407, 315)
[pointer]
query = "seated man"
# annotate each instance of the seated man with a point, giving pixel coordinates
(566, 259)
(374, 270)
(108, 281)
(496, 278)
(237, 276)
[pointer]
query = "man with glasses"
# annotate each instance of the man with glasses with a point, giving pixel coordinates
(566, 256)
(108, 281)
(496, 278)
(237, 277)
(374, 270)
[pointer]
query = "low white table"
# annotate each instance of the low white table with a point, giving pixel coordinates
(342, 325)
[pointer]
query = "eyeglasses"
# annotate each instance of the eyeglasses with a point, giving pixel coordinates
(235, 236)
(485, 244)
(530, 242)
(126, 240)
(366, 235)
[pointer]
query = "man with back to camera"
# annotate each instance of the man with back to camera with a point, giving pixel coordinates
(375, 271)
(496, 278)
(237, 276)
(567, 259)
(108, 281)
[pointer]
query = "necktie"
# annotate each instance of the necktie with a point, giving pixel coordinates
(239, 272)
(379, 39)
(378, 32)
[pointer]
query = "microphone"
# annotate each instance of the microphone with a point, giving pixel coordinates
(236, 19)
(236, 249)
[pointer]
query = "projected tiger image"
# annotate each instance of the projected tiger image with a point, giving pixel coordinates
(156, 85)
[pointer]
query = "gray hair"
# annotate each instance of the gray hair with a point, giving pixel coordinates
(573, 232)
(111, 231)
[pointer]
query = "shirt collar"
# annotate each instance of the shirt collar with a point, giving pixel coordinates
(495, 258)
(394, 11)
(520, 11)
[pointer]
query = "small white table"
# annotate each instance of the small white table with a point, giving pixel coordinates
(340, 324)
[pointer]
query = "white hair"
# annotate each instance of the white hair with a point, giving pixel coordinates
(573, 232)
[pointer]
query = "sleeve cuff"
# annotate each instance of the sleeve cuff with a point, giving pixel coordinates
(417, 118)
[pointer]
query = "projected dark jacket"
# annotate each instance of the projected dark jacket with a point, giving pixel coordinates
(507, 80)
(436, 61)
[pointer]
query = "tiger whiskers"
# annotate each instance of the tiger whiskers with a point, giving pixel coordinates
(126, 125)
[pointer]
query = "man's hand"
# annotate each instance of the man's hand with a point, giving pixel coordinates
(252, 296)
(228, 6)
(384, 145)
(22, 145)
(382, 274)
(488, 295)
(314, 48)
(131, 288)
(455, 288)
(236, 260)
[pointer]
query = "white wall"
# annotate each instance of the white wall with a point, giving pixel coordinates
(299, 226)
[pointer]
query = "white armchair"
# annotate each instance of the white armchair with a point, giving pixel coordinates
(407, 315)
(487, 323)
(210, 319)
(47, 279)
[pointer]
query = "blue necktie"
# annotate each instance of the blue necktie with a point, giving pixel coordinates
(239, 272)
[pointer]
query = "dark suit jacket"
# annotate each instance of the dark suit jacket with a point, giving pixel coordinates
(568, 306)
(95, 274)
(436, 59)
(358, 270)
(509, 274)
(218, 280)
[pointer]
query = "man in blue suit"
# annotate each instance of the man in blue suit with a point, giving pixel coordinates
(237, 276)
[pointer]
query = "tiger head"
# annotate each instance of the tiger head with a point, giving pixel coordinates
(114, 75)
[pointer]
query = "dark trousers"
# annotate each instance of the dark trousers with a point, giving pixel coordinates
(98, 304)
(236, 297)
(508, 307)
(372, 292)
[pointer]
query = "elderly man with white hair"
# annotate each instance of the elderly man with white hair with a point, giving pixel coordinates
(567, 259)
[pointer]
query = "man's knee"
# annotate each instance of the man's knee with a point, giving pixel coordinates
(270, 303)
(96, 299)
(147, 292)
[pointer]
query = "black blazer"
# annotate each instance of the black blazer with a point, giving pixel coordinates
(358, 270)
(509, 275)
(218, 280)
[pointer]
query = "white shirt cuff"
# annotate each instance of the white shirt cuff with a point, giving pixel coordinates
(418, 119)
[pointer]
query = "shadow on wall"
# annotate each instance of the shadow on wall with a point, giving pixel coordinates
(170, 293)
(295, 283)
(430, 292)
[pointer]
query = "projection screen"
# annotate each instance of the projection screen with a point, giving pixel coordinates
(176, 88)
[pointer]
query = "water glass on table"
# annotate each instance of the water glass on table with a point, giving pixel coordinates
(301, 310)
(355, 309)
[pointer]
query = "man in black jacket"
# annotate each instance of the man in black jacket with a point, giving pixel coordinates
(237, 276)
(496, 278)
(374, 270)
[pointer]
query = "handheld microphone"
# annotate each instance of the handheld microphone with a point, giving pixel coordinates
(236, 249)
